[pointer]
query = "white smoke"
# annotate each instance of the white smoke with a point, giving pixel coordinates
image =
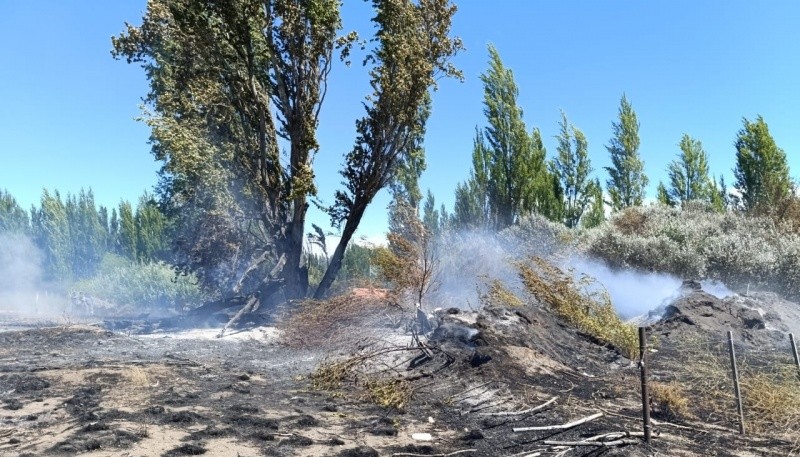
(632, 292)
(21, 289)
(469, 261)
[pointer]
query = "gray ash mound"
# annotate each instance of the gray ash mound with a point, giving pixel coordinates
(760, 318)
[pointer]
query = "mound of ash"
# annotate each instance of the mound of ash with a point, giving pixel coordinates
(759, 318)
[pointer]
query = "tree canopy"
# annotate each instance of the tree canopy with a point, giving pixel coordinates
(229, 79)
(627, 181)
(761, 172)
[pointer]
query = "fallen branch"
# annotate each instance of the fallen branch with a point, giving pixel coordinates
(250, 306)
(5, 433)
(407, 454)
(621, 442)
(253, 302)
(519, 413)
(559, 427)
(261, 259)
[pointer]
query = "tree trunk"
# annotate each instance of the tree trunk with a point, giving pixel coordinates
(336, 261)
(295, 275)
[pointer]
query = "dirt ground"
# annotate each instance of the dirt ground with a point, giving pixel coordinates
(87, 390)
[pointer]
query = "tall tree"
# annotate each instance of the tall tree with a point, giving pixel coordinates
(228, 78)
(572, 167)
(414, 49)
(509, 174)
(688, 174)
(13, 219)
(761, 172)
(87, 236)
(662, 195)
(152, 241)
(627, 181)
(127, 231)
(431, 218)
(596, 213)
(52, 233)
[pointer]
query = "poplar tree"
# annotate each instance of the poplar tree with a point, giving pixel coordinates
(13, 219)
(509, 175)
(596, 212)
(761, 172)
(627, 181)
(688, 174)
(229, 78)
(572, 167)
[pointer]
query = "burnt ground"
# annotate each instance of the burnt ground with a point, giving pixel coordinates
(77, 389)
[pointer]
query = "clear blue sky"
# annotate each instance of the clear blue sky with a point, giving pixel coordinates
(67, 108)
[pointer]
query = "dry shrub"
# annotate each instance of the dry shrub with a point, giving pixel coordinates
(670, 401)
(498, 294)
(631, 221)
(137, 376)
(317, 324)
(330, 374)
(389, 393)
(582, 303)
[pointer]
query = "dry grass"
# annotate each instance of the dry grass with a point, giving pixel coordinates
(670, 401)
(498, 294)
(137, 376)
(582, 303)
(772, 399)
(769, 384)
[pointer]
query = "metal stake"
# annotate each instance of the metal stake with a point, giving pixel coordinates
(645, 389)
(736, 383)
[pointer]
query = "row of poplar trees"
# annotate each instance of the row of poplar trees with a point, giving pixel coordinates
(511, 176)
(73, 233)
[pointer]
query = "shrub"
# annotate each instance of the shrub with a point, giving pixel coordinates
(149, 286)
(583, 304)
(698, 242)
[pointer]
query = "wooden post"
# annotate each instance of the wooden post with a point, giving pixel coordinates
(794, 352)
(645, 389)
(736, 383)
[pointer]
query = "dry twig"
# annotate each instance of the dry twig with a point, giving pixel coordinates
(559, 427)
(406, 454)
(519, 413)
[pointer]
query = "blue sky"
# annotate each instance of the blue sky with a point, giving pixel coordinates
(67, 108)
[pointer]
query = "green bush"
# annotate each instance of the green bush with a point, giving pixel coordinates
(128, 285)
(698, 242)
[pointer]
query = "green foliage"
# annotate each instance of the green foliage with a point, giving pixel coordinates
(413, 50)
(51, 231)
(700, 242)
(572, 167)
(87, 236)
(13, 219)
(627, 181)
(688, 174)
(509, 175)
(596, 213)
(432, 219)
(761, 172)
(152, 241)
(662, 195)
(141, 286)
(227, 79)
